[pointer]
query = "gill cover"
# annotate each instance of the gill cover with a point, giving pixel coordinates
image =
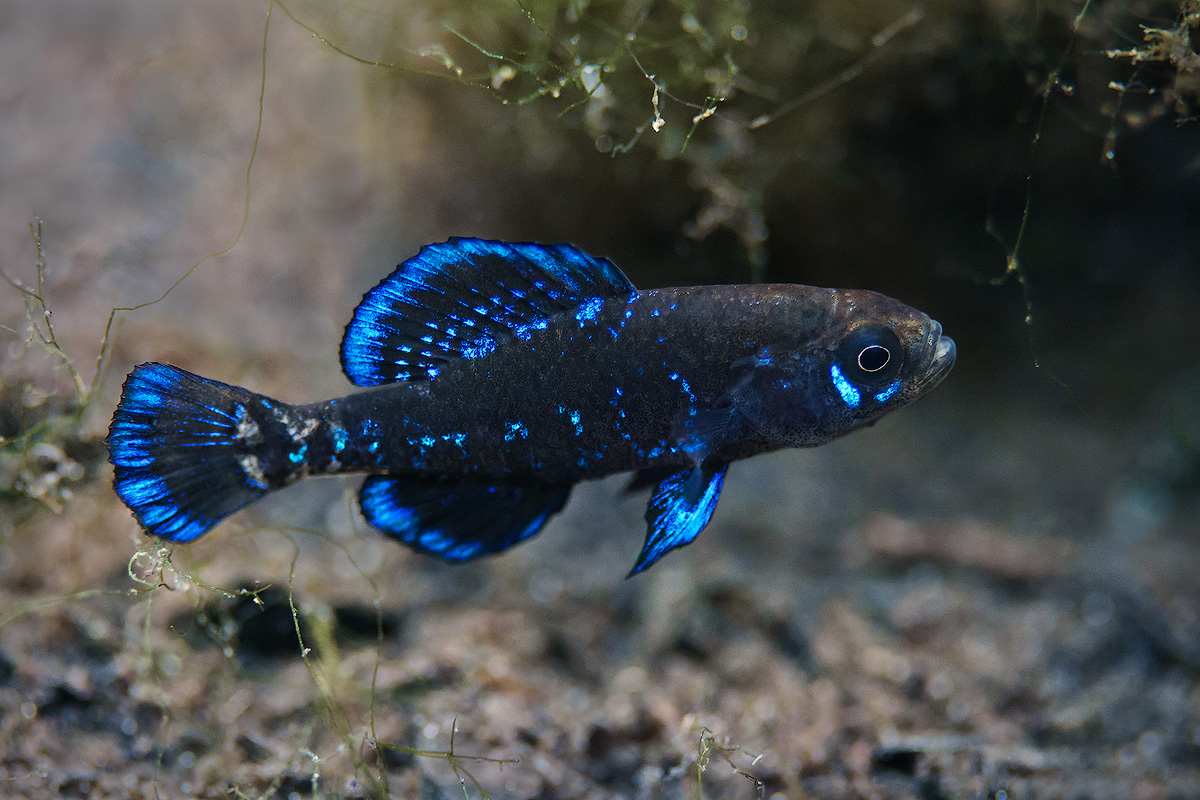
(807, 398)
(775, 395)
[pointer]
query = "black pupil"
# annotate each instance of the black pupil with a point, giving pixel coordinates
(874, 358)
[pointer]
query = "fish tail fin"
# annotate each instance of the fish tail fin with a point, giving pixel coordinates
(188, 452)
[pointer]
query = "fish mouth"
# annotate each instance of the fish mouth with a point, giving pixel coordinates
(944, 354)
(944, 351)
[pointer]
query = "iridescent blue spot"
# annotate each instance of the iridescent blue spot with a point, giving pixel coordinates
(589, 309)
(522, 332)
(516, 429)
(575, 420)
(340, 437)
(478, 349)
(428, 441)
(888, 393)
(373, 447)
(850, 395)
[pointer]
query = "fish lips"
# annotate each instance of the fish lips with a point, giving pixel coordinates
(944, 354)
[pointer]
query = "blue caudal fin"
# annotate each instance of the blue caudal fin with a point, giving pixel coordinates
(680, 508)
(462, 298)
(458, 520)
(178, 444)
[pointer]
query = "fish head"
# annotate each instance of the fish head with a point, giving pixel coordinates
(868, 355)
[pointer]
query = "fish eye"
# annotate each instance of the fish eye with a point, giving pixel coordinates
(870, 356)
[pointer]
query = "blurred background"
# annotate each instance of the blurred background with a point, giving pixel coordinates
(993, 593)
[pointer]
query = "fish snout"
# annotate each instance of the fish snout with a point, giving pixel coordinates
(944, 353)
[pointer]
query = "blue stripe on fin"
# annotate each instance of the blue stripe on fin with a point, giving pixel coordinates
(461, 298)
(458, 520)
(680, 508)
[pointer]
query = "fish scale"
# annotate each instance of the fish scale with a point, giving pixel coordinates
(501, 374)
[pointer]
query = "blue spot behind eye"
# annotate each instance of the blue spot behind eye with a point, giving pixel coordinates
(850, 395)
(888, 393)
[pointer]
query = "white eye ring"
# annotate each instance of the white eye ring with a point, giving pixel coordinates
(887, 358)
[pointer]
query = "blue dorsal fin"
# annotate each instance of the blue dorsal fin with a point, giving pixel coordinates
(458, 520)
(461, 298)
(680, 508)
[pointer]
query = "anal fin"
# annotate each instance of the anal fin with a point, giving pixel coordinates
(680, 508)
(458, 520)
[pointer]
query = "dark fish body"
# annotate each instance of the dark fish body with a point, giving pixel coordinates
(503, 374)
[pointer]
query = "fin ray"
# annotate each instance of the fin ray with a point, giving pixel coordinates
(458, 520)
(679, 509)
(173, 444)
(461, 298)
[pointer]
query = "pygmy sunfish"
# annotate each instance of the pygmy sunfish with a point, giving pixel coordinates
(508, 372)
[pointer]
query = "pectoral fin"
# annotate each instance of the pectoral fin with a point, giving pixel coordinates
(458, 520)
(680, 508)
